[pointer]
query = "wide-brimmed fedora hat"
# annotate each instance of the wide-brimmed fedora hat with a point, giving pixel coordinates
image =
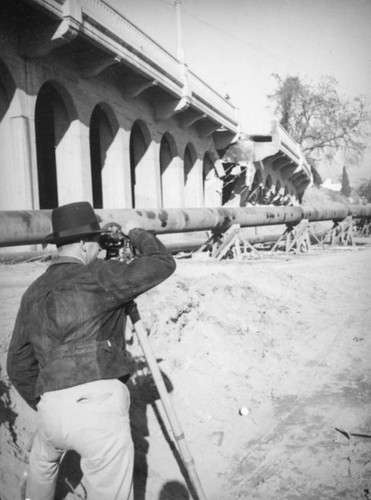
(71, 221)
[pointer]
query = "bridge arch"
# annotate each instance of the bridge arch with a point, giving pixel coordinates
(191, 177)
(55, 145)
(212, 185)
(172, 189)
(105, 158)
(139, 146)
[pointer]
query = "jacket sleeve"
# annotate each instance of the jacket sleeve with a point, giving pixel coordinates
(154, 265)
(22, 366)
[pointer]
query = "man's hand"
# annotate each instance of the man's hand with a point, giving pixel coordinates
(129, 225)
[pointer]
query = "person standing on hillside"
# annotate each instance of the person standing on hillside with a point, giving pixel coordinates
(67, 353)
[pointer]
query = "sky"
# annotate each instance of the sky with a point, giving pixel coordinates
(237, 45)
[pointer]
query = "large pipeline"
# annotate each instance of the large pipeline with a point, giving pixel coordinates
(28, 227)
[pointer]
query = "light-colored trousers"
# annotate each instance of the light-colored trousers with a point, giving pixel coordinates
(93, 420)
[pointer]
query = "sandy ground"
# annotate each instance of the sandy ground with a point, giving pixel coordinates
(287, 337)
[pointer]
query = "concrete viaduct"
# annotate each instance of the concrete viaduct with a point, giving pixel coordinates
(93, 109)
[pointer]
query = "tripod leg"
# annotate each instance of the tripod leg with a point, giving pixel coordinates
(169, 410)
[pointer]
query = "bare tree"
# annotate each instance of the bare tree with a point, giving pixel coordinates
(320, 119)
(364, 190)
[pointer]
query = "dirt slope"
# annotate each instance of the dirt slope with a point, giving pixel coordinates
(286, 337)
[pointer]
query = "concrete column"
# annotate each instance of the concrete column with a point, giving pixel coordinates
(71, 183)
(18, 173)
(193, 187)
(113, 178)
(145, 196)
(81, 136)
(173, 184)
(124, 141)
(213, 190)
(21, 177)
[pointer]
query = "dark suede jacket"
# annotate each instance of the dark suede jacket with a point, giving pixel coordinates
(70, 326)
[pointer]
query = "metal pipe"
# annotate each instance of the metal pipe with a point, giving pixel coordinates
(28, 227)
(176, 243)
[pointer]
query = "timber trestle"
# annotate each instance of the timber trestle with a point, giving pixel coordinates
(296, 238)
(341, 233)
(230, 243)
(363, 226)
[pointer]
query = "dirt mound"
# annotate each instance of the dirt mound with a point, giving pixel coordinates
(318, 196)
(286, 337)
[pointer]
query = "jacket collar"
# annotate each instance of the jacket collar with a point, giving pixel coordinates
(67, 260)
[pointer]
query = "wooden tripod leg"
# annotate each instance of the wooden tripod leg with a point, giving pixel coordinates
(169, 410)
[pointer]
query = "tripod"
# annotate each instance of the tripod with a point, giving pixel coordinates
(133, 313)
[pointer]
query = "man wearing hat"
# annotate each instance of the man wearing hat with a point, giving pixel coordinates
(67, 353)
